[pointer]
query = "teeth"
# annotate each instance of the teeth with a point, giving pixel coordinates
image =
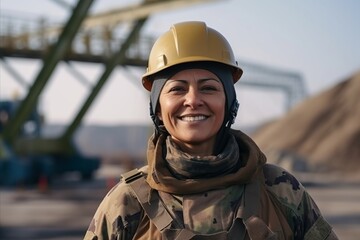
(193, 118)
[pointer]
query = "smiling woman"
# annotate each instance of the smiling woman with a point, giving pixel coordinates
(203, 180)
(191, 107)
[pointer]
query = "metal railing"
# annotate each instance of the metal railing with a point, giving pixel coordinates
(31, 38)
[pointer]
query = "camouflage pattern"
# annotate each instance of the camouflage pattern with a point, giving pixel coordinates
(279, 209)
(207, 212)
(119, 215)
(296, 204)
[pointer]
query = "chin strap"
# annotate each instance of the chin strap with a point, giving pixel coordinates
(155, 120)
(157, 123)
(232, 113)
(225, 128)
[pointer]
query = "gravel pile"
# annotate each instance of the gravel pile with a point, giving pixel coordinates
(321, 133)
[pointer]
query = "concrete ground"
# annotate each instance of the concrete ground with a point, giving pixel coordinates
(64, 211)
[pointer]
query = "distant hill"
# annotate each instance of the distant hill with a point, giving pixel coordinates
(323, 131)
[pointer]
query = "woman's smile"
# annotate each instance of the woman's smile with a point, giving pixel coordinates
(193, 118)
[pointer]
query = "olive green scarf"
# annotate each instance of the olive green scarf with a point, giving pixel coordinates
(186, 166)
(179, 178)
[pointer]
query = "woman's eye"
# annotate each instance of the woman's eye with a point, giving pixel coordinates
(176, 89)
(209, 88)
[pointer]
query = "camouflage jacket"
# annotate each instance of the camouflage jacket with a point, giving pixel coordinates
(263, 201)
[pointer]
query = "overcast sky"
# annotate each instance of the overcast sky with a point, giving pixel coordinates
(318, 39)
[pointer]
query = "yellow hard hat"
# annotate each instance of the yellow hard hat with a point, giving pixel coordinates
(189, 42)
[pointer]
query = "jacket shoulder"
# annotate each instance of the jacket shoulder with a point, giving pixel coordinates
(118, 210)
(121, 196)
(283, 185)
(302, 213)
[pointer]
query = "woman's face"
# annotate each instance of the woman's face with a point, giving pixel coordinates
(192, 108)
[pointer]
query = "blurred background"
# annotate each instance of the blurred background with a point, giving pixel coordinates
(74, 115)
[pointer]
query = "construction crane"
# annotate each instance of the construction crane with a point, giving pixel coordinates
(52, 156)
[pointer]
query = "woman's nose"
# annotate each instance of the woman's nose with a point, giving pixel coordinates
(193, 98)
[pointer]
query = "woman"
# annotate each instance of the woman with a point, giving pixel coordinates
(203, 180)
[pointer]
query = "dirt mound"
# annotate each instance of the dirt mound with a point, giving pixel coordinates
(323, 131)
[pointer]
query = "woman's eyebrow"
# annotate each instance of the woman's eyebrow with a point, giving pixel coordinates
(208, 79)
(176, 80)
(201, 80)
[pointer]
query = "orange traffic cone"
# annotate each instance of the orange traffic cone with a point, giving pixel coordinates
(43, 185)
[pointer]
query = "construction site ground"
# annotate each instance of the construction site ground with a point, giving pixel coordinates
(64, 210)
